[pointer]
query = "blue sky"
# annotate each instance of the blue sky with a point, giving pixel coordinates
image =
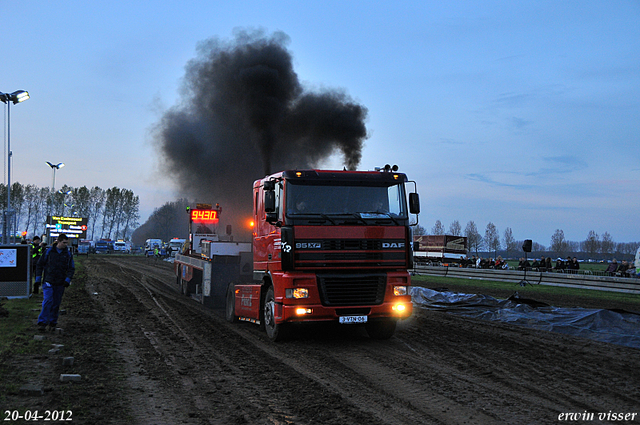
(524, 114)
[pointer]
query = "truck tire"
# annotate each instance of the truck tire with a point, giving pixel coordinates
(274, 331)
(381, 329)
(230, 306)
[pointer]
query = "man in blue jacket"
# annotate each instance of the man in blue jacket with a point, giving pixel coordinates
(58, 267)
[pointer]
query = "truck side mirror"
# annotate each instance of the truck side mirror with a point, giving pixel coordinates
(269, 201)
(414, 203)
(269, 185)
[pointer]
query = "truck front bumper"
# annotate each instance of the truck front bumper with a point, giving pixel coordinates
(401, 308)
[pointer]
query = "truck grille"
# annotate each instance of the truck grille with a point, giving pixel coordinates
(350, 253)
(354, 289)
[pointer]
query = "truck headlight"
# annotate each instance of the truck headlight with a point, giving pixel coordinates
(297, 293)
(399, 290)
(399, 308)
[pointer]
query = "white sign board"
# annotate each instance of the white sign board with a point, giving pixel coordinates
(8, 258)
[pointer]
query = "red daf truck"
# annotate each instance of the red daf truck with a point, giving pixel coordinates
(328, 246)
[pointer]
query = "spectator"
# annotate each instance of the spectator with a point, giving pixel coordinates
(37, 248)
(559, 265)
(613, 268)
(500, 263)
(535, 265)
(549, 266)
(622, 269)
(58, 267)
(543, 265)
(524, 264)
(574, 266)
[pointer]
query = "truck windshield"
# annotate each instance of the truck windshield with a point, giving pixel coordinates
(365, 201)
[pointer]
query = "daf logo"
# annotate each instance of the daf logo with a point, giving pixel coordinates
(392, 245)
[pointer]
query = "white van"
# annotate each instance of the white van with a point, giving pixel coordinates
(175, 245)
(150, 245)
(122, 247)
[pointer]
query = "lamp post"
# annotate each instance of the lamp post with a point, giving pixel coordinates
(64, 201)
(8, 98)
(54, 167)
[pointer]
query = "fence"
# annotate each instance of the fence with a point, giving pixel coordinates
(578, 280)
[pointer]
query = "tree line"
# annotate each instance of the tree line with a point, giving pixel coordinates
(492, 242)
(169, 221)
(111, 213)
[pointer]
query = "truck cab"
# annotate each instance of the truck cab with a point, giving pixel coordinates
(330, 246)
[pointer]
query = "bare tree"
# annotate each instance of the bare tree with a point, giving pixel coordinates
(558, 243)
(17, 198)
(455, 229)
(537, 247)
(629, 248)
(82, 201)
(41, 211)
(29, 212)
(492, 238)
(572, 246)
(607, 244)
(130, 212)
(592, 244)
(163, 219)
(473, 236)
(111, 211)
(438, 228)
(97, 197)
(510, 243)
(419, 230)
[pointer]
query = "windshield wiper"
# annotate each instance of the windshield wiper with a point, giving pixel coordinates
(356, 215)
(325, 216)
(385, 215)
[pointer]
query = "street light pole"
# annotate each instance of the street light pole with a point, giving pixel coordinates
(54, 167)
(8, 98)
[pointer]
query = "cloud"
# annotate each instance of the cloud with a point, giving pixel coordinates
(559, 165)
(554, 166)
(512, 99)
(485, 179)
(520, 123)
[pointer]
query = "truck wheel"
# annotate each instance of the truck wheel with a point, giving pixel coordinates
(381, 329)
(230, 311)
(274, 331)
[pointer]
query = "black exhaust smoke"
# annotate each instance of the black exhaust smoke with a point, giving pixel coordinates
(243, 115)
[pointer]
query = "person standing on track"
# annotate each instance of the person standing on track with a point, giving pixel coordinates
(58, 267)
(36, 252)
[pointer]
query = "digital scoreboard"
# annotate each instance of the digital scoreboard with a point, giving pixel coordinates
(204, 216)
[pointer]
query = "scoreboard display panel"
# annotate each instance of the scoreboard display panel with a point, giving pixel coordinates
(204, 216)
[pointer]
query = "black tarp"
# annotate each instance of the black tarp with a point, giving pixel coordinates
(615, 327)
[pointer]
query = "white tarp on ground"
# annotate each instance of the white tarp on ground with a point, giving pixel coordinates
(620, 328)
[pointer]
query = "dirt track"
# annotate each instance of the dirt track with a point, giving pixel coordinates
(184, 364)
